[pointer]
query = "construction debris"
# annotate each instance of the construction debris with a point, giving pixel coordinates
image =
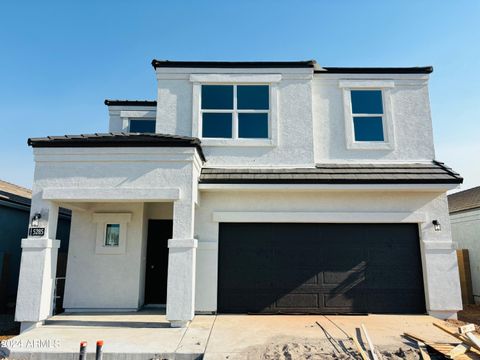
(467, 349)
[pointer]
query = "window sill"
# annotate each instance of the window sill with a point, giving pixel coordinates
(373, 145)
(238, 142)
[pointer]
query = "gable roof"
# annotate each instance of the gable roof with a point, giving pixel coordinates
(420, 173)
(464, 200)
(118, 139)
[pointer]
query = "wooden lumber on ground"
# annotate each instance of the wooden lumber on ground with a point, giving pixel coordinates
(423, 350)
(369, 342)
(461, 337)
(460, 349)
(360, 349)
(475, 341)
(444, 348)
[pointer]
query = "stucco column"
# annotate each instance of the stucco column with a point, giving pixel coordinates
(440, 269)
(38, 267)
(182, 250)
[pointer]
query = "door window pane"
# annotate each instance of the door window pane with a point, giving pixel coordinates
(217, 125)
(112, 235)
(142, 126)
(217, 97)
(367, 102)
(254, 126)
(252, 97)
(368, 128)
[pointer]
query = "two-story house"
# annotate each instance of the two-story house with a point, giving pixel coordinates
(250, 187)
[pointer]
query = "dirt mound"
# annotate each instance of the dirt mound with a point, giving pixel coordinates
(312, 351)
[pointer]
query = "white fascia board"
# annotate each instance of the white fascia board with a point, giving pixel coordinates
(328, 187)
(138, 113)
(319, 217)
(366, 83)
(110, 194)
(115, 154)
(235, 78)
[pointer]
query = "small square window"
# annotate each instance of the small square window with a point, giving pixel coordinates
(112, 235)
(253, 125)
(367, 102)
(218, 97)
(367, 113)
(217, 125)
(368, 128)
(142, 126)
(252, 97)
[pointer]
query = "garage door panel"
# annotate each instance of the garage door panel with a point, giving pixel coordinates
(298, 301)
(320, 268)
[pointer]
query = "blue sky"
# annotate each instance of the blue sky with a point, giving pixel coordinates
(60, 59)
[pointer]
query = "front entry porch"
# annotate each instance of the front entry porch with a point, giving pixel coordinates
(114, 192)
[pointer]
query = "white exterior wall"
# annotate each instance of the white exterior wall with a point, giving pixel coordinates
(294, 144)
(119, 116)
(104, 281)
(438, 254)
(466, 233)
(412, 125)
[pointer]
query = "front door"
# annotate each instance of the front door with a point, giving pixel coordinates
(159, 231)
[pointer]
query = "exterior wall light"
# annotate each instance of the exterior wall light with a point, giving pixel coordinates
(35, 219)
(436, 225)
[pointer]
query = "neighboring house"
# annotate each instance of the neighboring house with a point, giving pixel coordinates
(465, 219)
(250, 187)
(14, 219)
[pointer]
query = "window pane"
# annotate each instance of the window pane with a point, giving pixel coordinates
(112, 235)
(217, 97)
(253, 126)
(368, 128)
(253, 97)
(217, 125)
(367, 102)
(142, 126)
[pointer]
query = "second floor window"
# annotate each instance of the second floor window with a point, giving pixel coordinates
(235, 111)
(367, 113)
(142, 126)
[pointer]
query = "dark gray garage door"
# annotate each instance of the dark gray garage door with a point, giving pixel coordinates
(319, 268)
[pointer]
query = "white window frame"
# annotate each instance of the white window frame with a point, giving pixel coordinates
(102, 219)
(271, 80)
(385, 87)
(127, 127)
(127, 115)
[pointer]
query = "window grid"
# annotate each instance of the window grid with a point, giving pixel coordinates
(382, 115)
(235, 113)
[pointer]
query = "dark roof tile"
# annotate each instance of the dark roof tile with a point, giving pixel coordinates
(118, 140)
(417, 173)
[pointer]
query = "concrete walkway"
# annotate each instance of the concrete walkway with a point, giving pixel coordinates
(147, 335)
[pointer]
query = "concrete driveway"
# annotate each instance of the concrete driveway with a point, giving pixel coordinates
(147, 335)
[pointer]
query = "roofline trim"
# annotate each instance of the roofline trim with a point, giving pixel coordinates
(233, 64)
(109, 102)
(375, 70)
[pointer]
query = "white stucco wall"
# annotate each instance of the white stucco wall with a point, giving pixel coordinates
(466, 233)
(439, 259)
(294, 143)
(105, 281)
(119, 116)
(412, 125)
